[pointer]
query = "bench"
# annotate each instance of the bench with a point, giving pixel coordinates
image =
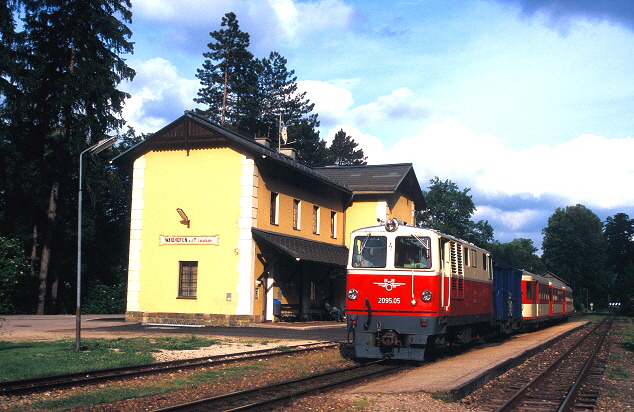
(290, 312)
(319, 312)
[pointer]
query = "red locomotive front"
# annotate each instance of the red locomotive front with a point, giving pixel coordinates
(410, 288)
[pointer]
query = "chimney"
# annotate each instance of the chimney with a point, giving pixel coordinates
(265, 141)
(288, 151)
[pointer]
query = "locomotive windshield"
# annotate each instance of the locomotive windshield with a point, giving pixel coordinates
(412, 252)
(369, 251)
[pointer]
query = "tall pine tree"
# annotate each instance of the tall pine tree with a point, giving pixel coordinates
(63, 99)
(343, 151)
(227, 77)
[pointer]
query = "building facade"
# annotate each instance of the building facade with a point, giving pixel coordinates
(227, 231)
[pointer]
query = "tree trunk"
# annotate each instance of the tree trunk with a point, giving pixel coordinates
(34, 252)
(46, 249)
(224, 95)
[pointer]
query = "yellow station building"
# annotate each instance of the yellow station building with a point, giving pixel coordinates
(228, 231)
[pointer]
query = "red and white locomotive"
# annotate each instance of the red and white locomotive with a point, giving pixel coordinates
(411, 288)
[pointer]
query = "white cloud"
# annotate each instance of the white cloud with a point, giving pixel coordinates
(331, 102)
(159, 95)
(514, 220)
(400, 104)
(591, 170)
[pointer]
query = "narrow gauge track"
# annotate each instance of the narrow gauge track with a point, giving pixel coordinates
(34, 385)
(265, 397)
(558, 387)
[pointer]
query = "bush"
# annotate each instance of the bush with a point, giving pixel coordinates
(103, 299)
(18, 288)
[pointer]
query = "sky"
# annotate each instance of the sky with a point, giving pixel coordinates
(529, 103)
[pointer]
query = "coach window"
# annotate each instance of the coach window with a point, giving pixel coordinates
(465, 253)
(412, 252)
(529, 290)
(187, 279)
(369, 251)
(474, 258)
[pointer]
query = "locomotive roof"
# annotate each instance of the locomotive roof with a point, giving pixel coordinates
(405, 229)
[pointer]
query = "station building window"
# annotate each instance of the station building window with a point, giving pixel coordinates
(316, 220)
(187, 279)
(333, 224)
(275, 208)
(297, 213)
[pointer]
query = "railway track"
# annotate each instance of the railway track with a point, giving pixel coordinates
(45, 383)
(568, 383)
(266, 397)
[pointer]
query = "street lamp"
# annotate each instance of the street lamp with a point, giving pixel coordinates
(94, 149)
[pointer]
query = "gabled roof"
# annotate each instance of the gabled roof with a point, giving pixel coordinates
(192, 131)
(302, 249)
(378, 179)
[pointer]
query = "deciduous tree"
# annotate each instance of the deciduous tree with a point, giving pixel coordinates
(575, 249)
(518, 253)
(619, 233)
(449, 210)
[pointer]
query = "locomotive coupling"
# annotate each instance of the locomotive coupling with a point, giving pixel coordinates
(390, 339)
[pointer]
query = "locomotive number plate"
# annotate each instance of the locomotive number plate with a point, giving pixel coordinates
(394, 301)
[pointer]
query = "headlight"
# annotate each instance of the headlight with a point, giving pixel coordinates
(426, 296)
(353, 294)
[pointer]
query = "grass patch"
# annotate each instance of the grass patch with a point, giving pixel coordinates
(619, 373)
(446, 397)
(109, 396)
(361, 404)
(25, 360)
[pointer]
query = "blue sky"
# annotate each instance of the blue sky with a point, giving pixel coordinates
(528, 103)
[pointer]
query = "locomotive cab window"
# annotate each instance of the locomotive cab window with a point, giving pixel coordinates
(369, 251)
(412, 252)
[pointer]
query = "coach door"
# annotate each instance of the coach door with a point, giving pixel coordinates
(444, 246)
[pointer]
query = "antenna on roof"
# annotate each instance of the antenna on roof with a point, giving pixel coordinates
(283, 132)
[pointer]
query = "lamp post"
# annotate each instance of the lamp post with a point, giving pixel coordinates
(94, 149)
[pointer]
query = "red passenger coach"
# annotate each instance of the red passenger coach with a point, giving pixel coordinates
(545, 299)
(410, 288)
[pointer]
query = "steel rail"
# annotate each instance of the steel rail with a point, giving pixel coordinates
(212, 402)
(517, 396)
(38, 384)
(566, 404)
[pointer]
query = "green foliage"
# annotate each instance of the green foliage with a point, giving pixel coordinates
(575, 249)
(450, 210)
(619, 234)
(58, 96)
(104, 299)
(259, 98)
(227, 75)
(518, 253)
(16, 282)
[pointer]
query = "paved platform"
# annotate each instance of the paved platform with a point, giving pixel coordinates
(52, 327)
(462, 374)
